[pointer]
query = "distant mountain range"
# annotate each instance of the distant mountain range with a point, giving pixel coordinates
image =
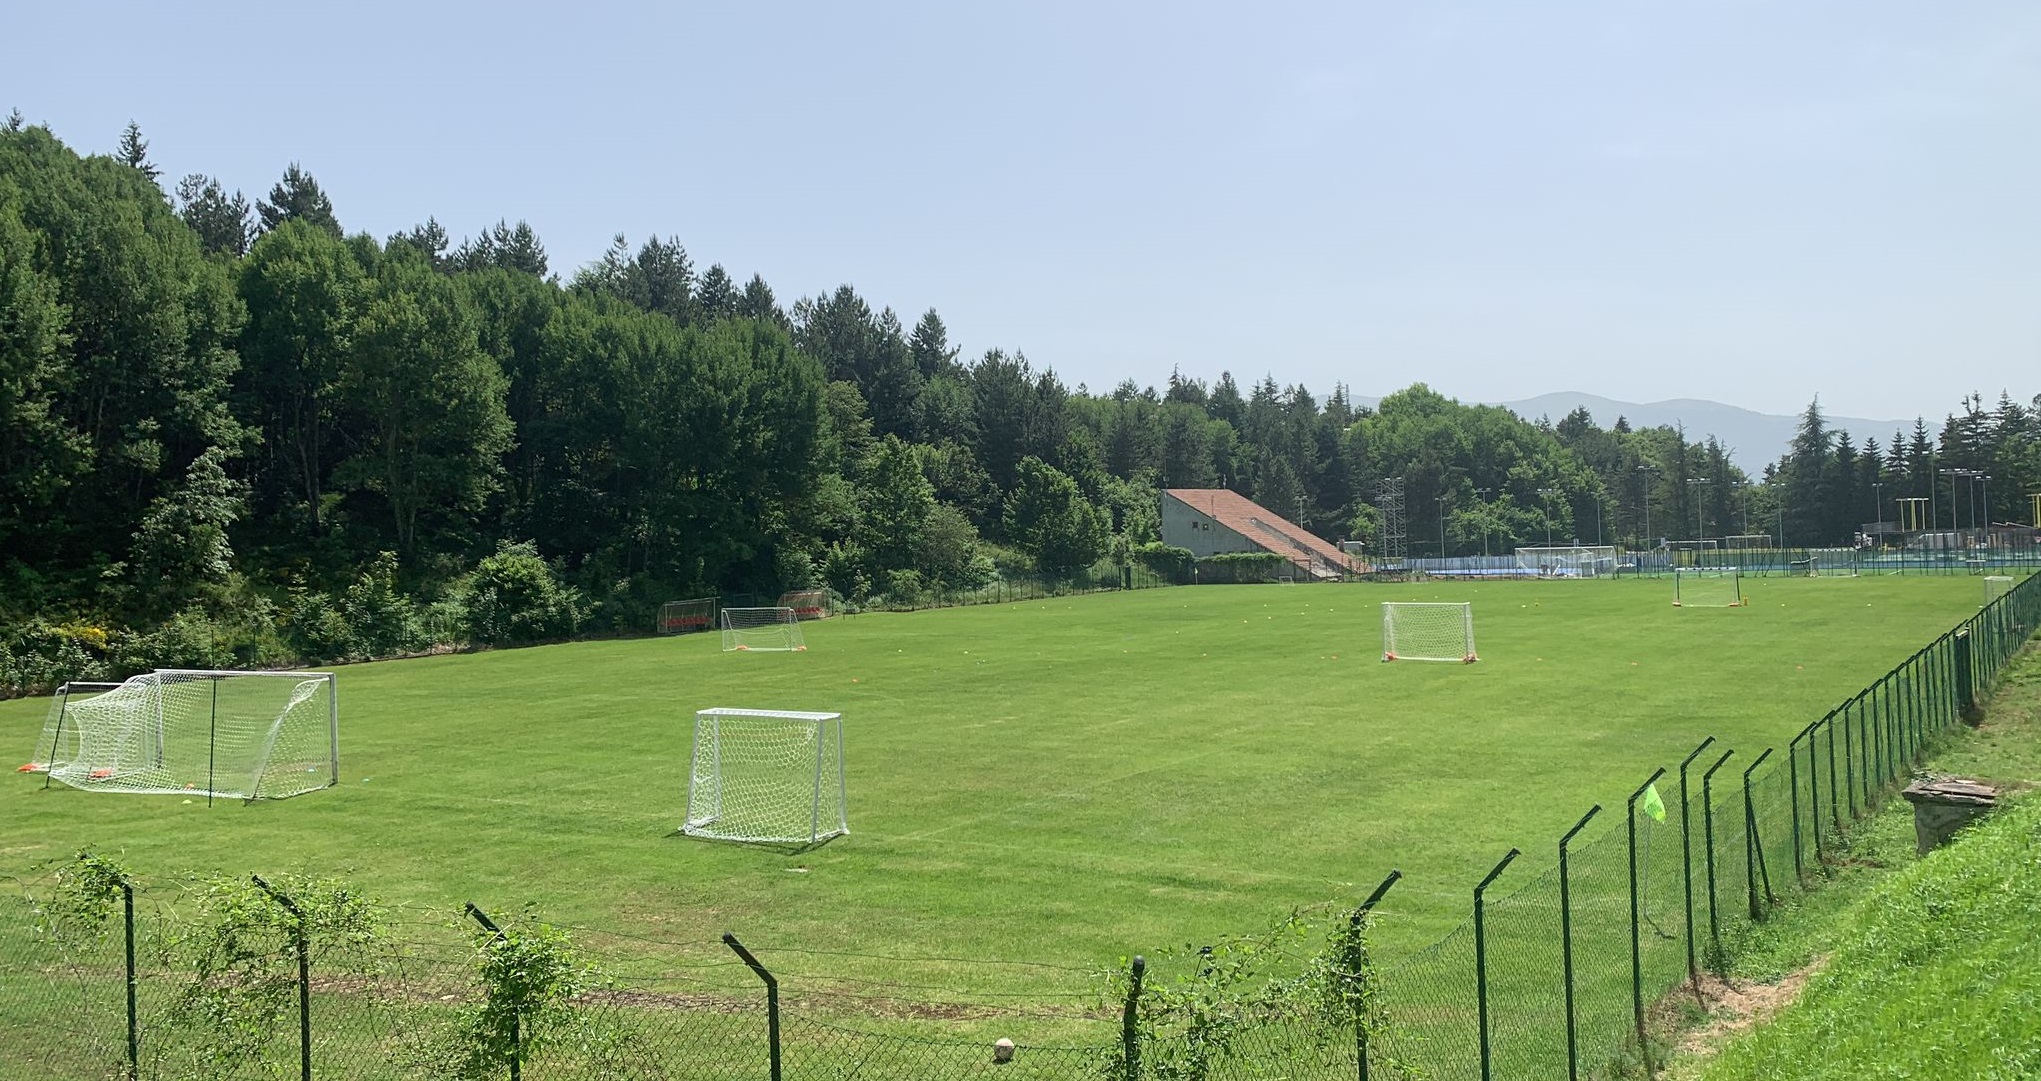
(1752, 439)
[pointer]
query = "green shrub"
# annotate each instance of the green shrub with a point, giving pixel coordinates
(381, 618)
(38, 655)
(1171, 563)
(188, 639)
(515, 598)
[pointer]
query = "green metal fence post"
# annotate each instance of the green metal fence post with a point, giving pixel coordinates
(1566, 942)
(1754, 843)
(1793, 787)
(1708, 837)
(1966, 678)
(1481, 965)
(304, 950)
(1687, 863)
(1130, 1033)
(1850, 756)
(516, 1026)
(1360, 1003)
(1636, 917)
(772, 1003)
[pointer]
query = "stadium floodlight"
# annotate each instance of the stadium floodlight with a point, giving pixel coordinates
(766, 776)
(762, 630)
(241, 735)
(683, 617)
(1568, 560)
(1707, 587)
(1428, 631)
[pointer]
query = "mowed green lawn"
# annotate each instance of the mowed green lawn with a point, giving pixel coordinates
(1063, 781)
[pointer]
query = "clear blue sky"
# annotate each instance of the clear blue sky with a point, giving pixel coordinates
(1747, 201)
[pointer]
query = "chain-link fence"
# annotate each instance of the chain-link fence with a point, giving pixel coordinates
(1552, 975)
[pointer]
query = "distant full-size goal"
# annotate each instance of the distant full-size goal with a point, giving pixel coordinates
(1707, 587)
(1428, 631)
(762, 630)
(684, 617)
(1568, 561)
(239, 735)
(766, 776)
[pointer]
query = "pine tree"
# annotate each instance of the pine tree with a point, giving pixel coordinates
(134, 151)
(297, 197)
(221, 221)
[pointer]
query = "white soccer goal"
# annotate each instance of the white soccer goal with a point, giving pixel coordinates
(1568, 561)
(806, 603)
(242, 735)
(1832, 563)
(683, 617)
(770, 630)
(1428, 631)
(1996, 586)
(1707, 587)
(765, 775)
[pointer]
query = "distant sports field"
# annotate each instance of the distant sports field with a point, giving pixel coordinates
(1063, 781)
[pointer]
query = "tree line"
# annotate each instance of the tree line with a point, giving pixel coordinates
(234, 431)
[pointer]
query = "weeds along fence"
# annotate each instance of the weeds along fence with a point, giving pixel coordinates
(1553, 974)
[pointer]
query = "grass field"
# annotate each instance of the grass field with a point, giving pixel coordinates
(1062, 781)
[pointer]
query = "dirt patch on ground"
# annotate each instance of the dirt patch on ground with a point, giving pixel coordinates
(1734, 1009)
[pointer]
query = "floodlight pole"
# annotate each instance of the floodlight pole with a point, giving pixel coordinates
(1693, 492)
(1548, 493)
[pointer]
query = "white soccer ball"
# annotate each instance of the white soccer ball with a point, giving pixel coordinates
(1002, 1050)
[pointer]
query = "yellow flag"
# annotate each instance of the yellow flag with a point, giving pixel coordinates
(1653, 806)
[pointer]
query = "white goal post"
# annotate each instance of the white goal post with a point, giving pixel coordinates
(683, 617)
(1996, 586)
(1428, 631)
(762, 630)
(1707, 587)
(766, 776)
(193, 732)
(1568, 561)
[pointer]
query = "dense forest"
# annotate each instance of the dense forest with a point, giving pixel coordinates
(234, 433)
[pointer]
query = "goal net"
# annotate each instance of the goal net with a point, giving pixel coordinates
(242, 735)
(1996, 586)
(806, 603)
(684, 617)
(1568, 561)
(1428, 631)
(766, 776)
(1707, 587)
(57, 746)
(761, 630)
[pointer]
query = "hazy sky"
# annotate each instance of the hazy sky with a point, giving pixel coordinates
(1748, 201)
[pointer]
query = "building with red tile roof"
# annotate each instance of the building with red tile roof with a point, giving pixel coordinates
(1214, 521)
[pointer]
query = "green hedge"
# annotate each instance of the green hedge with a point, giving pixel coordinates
(1236, 567)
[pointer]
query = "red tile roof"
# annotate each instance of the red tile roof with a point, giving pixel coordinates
(1263, 526)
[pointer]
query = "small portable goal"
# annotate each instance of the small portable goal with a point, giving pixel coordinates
(192, 732)
(1996, 586)
(762, 630)
(1428, 631)
(1707, 587)
(766, 776)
